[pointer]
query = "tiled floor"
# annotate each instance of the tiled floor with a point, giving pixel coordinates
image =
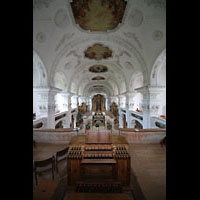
(148, 163)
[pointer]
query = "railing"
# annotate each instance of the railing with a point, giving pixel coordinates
(37, 122)
(61, 136)
(153, 135)
(58, 117)
(158, 122)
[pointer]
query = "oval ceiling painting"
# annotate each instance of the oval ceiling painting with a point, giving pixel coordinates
(98, 78)
(98, 15)
(98, 52)
(98, 69)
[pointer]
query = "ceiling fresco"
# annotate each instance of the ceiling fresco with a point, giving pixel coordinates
(98, 78)
(98, 52)
(98, 15)
(98, 68)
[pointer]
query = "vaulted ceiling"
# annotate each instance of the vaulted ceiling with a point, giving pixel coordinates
(75, 46)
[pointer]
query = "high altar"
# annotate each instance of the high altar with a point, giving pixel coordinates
(98, 103)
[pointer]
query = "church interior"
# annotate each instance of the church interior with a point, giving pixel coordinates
(99, 99)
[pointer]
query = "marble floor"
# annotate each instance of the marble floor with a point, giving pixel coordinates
(148, 165)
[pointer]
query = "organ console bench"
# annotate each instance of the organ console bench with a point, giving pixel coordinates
(105, 160)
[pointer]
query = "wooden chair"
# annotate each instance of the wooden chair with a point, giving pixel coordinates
(60, 156)
(44, 163)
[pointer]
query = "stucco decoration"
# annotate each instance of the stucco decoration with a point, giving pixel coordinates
(42, 3)
(135, 37)
(98, 69)
(65, 37)
(156, 3)
(39, 72)
(67, 65)
(98, 52)
(61, 18)
(136, 81)
(159, 64)
(73, 87)
(135, 19)
(96, 15)
(157, 35)
(129, 66)
(60, 81)
(139, 61)
(41, 37)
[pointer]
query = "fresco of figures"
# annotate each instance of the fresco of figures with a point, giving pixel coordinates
(98, 15)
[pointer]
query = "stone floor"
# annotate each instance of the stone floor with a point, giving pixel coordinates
(148, 163)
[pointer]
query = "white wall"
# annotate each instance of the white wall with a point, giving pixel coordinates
(135, 101)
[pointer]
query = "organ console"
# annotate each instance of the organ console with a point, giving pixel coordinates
(98, 162)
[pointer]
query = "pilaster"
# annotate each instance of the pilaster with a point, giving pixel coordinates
(69, 95)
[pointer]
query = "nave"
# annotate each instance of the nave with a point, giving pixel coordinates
(99, 81)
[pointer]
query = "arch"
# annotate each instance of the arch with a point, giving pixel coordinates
(136, 81)
(114, 40)
(106, 88)
(158, 79)
(40, 78)
(158, 71)
(119, 77)
(60, 81)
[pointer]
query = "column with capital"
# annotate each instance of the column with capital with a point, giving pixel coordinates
(77, 101)
(51, 107)
(40, 102)
(151, 103)
(45, 98)
(75, 119)
(145, 106)
(155, 99)
(108, 103)
(64, 106)
(69, 110)
(120, 116)
(127, 111)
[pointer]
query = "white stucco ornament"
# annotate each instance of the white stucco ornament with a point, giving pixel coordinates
(135, 19)
(157, 35)
(41, 37)
(61, 18)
